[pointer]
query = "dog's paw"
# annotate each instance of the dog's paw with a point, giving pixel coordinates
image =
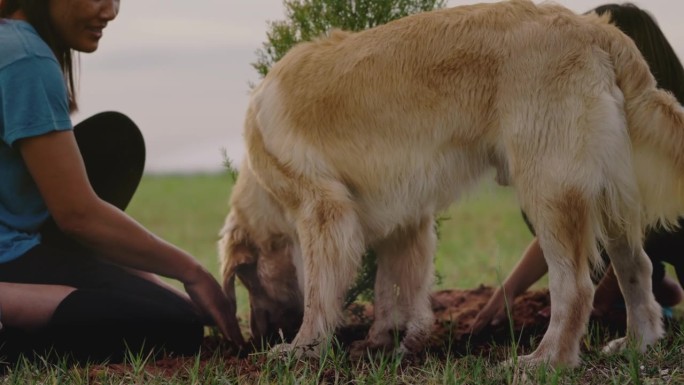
(616, 346)
(536, 360)
(362, 348)
(282, 350)
(359, 349)
(296, 351)
(621, 344)
(528, 361)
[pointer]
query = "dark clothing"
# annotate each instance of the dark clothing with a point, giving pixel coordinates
(112, 310)
(666, 247)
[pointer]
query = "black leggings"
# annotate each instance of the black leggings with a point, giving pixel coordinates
(112, 310)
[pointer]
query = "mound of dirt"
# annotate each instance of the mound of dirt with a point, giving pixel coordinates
(455, 311)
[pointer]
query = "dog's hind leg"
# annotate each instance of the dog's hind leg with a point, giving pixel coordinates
(332, 245)
(633, 270)
(562, 222)
(402, 288)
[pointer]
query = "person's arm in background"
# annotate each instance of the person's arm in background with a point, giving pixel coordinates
(55, 164)
(529, 270)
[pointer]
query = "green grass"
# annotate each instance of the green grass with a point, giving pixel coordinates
(661, 365)
(187, 211)
(481, 238)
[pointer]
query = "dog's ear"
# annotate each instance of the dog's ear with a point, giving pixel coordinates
(236, 250)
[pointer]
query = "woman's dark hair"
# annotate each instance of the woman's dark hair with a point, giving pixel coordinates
(38, 14)
(642, 28)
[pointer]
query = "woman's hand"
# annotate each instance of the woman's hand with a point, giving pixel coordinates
(529, 269)
(207, 295)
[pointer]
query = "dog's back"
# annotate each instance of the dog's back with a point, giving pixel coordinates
(442, 91)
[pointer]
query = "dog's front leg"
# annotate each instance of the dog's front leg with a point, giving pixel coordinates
(332, 246)
(402, 286)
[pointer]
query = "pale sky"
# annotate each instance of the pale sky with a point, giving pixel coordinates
(181, 70)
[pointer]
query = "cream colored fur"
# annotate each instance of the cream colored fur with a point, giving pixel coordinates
(357, 140)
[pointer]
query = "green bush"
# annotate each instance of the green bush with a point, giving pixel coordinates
(308, 19)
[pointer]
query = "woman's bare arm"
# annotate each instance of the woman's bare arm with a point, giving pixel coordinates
(529, 270)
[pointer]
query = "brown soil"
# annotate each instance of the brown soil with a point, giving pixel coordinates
(455, 312)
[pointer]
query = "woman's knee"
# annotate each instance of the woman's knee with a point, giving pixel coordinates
(113, 151)
(110, 133)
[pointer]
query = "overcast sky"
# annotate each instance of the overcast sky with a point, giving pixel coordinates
(181, 70)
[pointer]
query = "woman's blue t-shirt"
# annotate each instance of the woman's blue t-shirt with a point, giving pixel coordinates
(33, 101)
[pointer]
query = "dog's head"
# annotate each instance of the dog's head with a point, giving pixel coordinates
(258, 248)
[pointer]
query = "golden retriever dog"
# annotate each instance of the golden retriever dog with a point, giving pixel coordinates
(356, 141)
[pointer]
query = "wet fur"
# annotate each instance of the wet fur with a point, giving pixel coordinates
(357, 140)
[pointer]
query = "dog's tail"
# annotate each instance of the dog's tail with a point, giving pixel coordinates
(655, 123)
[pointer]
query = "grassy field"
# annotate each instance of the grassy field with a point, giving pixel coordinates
(481, 239)
(187, 211)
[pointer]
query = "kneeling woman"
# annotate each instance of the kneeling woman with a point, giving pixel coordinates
(77, 275)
